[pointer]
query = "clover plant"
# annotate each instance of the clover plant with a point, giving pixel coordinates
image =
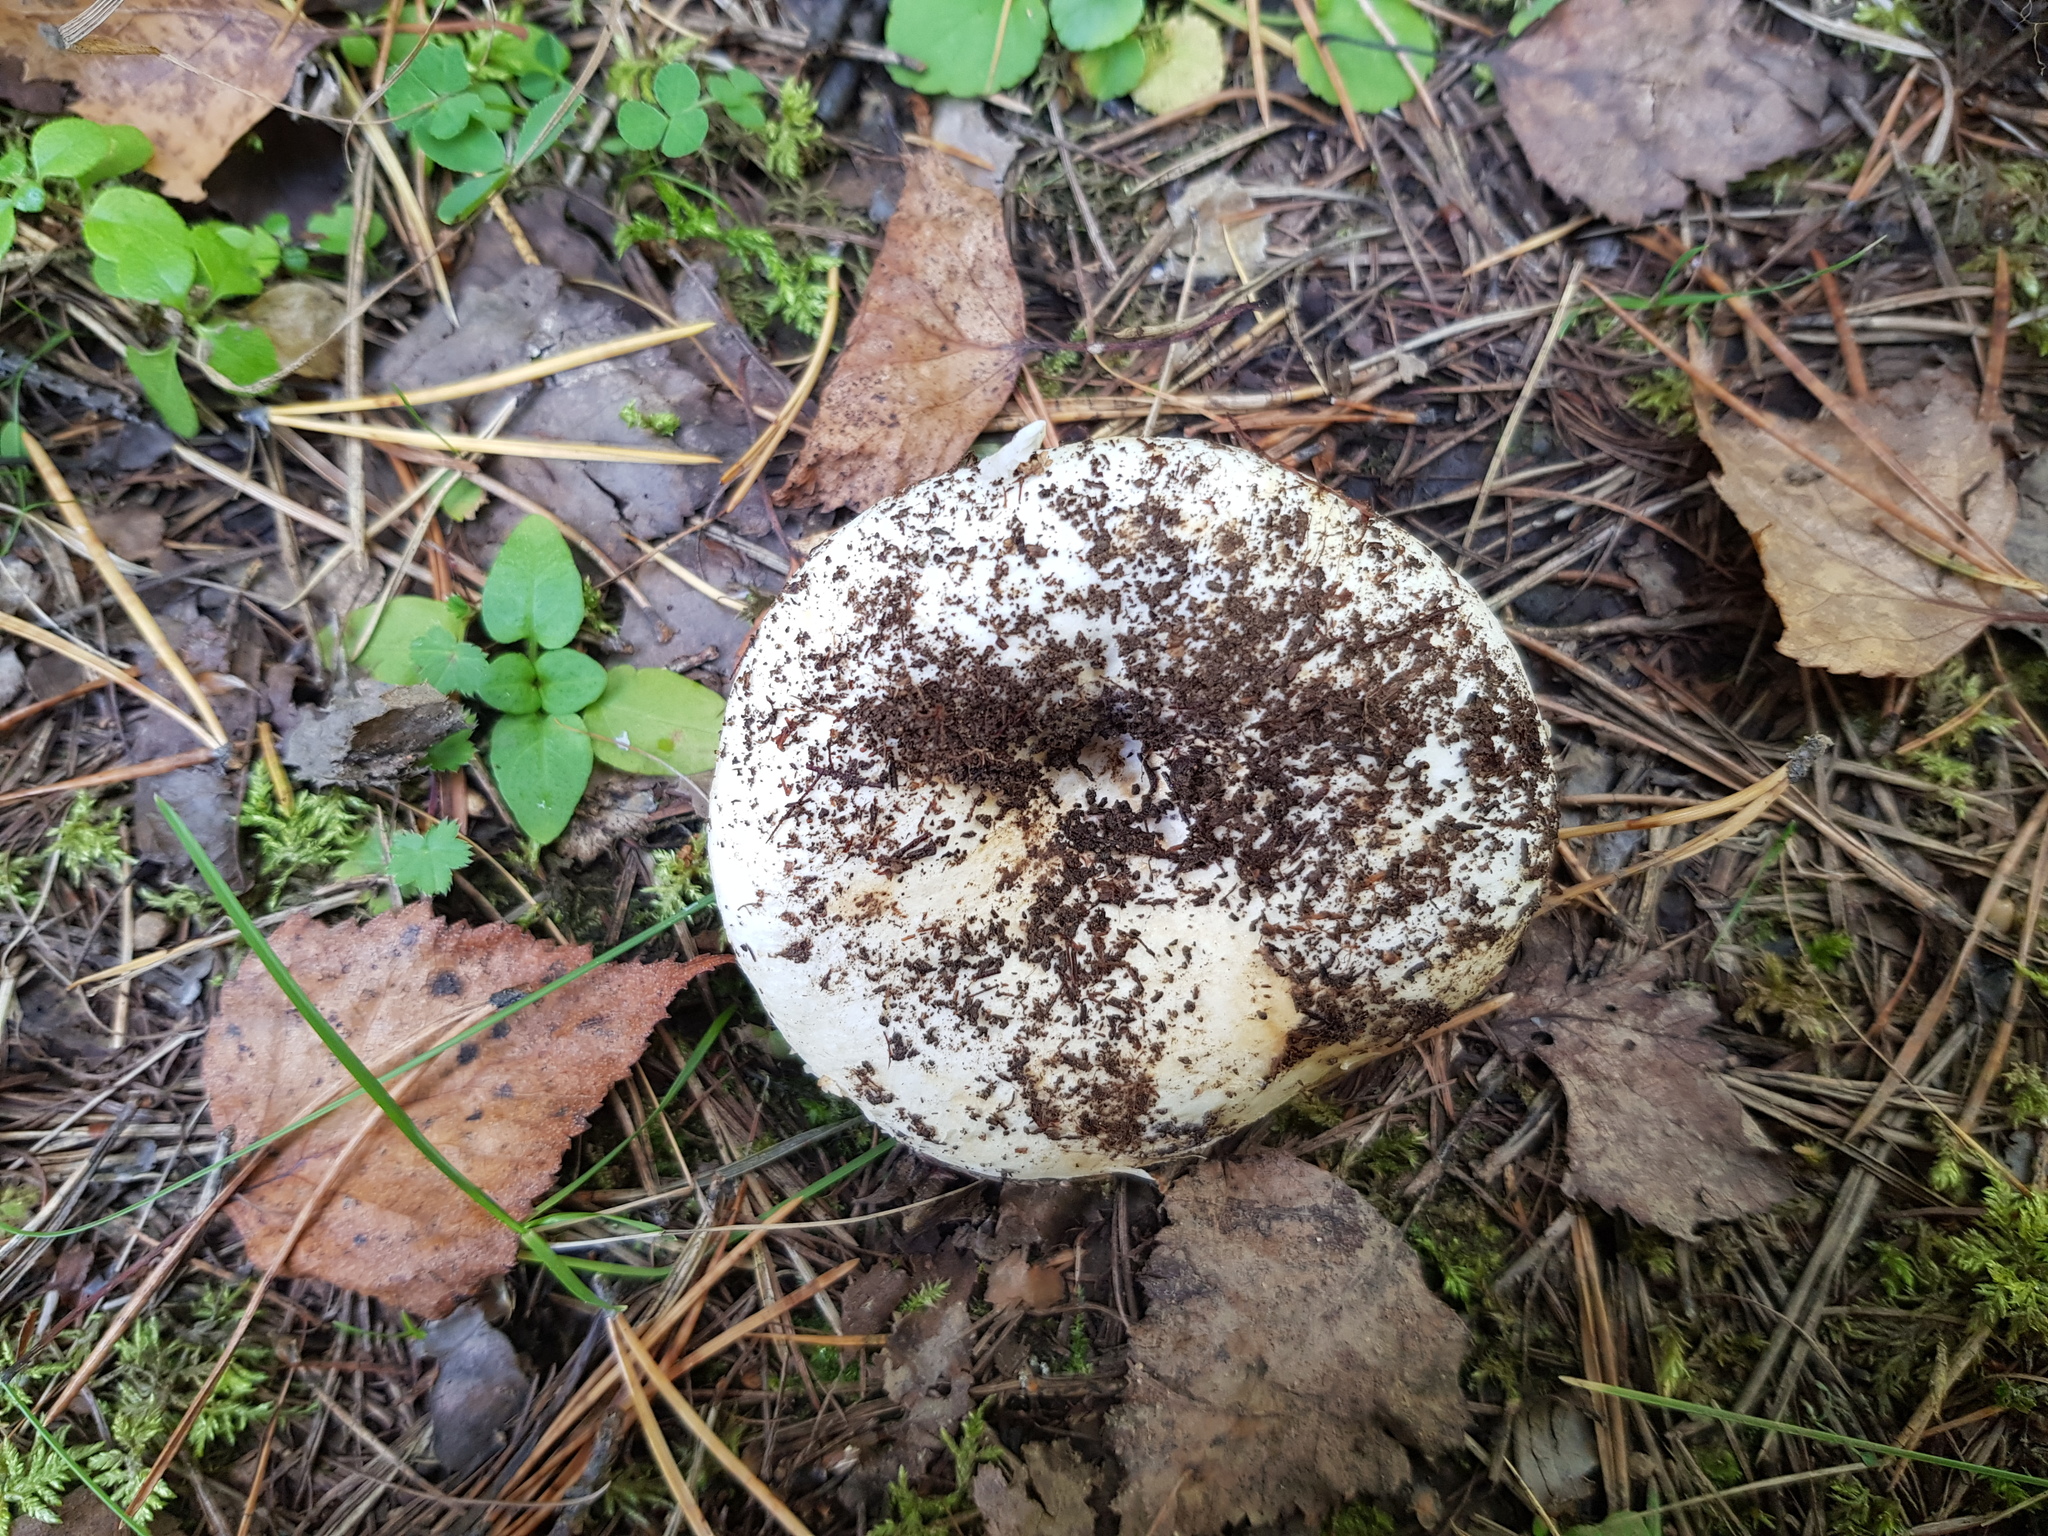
(558, 710)
(676, 120)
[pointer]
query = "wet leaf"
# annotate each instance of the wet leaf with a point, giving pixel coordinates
(932, 355)
(502, 1107)
(1183, 64)
(1620, 103)
(1651, 1128)
(1854, 598)
(1290, 1339)
(194, 79)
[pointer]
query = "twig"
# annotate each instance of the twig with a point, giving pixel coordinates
(112, 671)
(110, 574)
(121, 773)
(1990, 406)
(505, 447)
(1845, 334)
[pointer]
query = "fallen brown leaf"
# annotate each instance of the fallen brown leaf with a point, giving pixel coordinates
(1853, 598)
(1057, 1505)
(1651, 1128)
(929, 1369)
(375, 736)
(1620, 103)
(1014, 1281)
(502, 1107)
(195, 75)
(1289, 1340)
(932, 354)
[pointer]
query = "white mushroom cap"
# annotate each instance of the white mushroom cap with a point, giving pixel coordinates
(1069, 822)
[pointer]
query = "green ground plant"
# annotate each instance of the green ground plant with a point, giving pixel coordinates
(558, 711)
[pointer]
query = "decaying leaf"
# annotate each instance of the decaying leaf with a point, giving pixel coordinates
(932, 355)
(1853, 597)
(502, 1107)
(1290, 1354)
(929, 1369)
(1014, 1281)
(1057, 1505)
(375, 737)
(1651, 1128)
(194, 77)
(1620, 103)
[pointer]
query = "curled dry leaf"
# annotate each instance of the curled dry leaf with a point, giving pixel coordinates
(932, 355)
(1652, 1129)
(1620, 103)
(193, 76)
(1057, 1505)
(376, 736)
(1853, 597)
(1290, 1354)
(503, 1107)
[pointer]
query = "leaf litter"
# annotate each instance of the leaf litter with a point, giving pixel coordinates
(1856, 595)
(932, 353)
(1291, 1355)
(503, 1107)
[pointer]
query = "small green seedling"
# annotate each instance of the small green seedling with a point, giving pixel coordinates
(418, 863)
(660, 423)
(68, 149)
(327, 234)
(145, 252)
(676, 121)
(559, 711)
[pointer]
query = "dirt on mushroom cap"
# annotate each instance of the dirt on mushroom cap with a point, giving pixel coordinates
(1068, 823)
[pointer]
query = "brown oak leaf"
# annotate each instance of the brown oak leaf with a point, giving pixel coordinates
(503, 1107)
(1651, 1129)
(1290, 1353)
(1620, 103)
(1853, 597)
(195, 75)
(932, 355)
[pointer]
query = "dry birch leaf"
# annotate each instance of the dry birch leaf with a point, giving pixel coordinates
(1290, 1353)
(1620, 103)
(502, 1107)
(1652, 1128)
(932, 355)
(1855, 599)
(193, 76)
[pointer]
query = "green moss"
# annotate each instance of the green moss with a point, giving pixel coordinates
(321, 831)
(1666, 398)
(1360, 1519)
(88, 840)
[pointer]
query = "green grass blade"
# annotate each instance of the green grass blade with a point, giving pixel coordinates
(703, 1049)
(22, 1407)
(1825, 1437)
(623, 947)
(357, 1068)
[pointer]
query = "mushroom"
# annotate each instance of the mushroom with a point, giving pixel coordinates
(1068, 821)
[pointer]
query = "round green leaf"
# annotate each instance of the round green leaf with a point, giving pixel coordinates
(508, 685)
(955, 40)
(130, 151)
(654, 722)
(1373, 76)
(450, 664)
(1084, 24)
(641, 125)
(568, 681)
(388, 656)
(534, 591)
(475, 150)
(1107, 73)
(69, 147)
(676, 87)
(144, 242)
(540, 764)
(685, 134)
(241, 354)
(1184, 64)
